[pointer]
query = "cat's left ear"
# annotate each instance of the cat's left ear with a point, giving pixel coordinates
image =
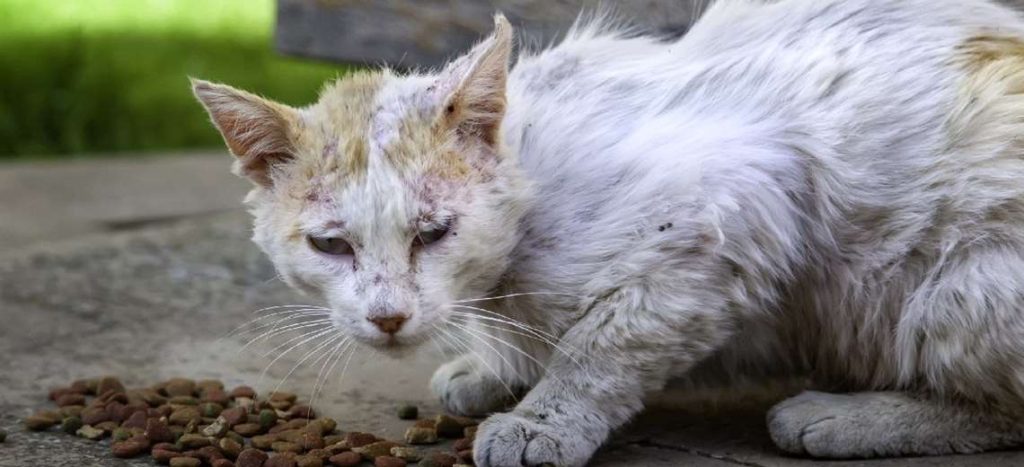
(473, 87)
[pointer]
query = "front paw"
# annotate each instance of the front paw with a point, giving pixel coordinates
(465, 389)
(513, 440)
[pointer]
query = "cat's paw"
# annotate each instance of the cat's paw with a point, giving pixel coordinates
(837, 426)
(466, 390)
(509, 439)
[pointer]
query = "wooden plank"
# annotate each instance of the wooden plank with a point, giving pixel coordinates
(424, 33)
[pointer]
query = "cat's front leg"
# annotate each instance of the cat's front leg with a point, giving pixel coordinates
(624, 348)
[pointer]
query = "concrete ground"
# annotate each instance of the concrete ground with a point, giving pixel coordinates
(142, 267)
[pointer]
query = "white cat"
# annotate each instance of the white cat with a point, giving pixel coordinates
(830, 188)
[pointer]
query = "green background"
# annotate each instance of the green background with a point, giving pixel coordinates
(83, 77)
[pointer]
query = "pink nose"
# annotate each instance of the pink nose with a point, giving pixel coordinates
(388, 324)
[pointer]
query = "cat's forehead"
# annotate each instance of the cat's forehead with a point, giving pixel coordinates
(378, 121)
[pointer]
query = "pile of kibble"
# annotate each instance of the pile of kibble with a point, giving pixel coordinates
(186, 423)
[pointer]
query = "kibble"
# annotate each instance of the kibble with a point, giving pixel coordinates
(209, 426)
(185, 462)
(346, 459)
(251, 458)
(408, 454)
(418, 435)
(408, 412)
(70, 425)
(388, 461)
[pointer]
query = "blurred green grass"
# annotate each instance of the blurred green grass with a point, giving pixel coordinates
(80, 77)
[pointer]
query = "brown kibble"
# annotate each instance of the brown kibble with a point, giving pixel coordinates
(279, 404)
(57, 393)
(193, 441)
(308, 461)
(209, 453)
(230, 447)
(129, 448)
(248, 429)
(222, 463)
(162, 455)
(251, 458)
(282, 396)
(289, 425)
(184, 416)
(209, 384)
(70, 399)
(136, 420)
(40, 422)
(185, 462)
(263, 441)
(234, 416)
(449, 426)
(92, 416)
(72, 411)
(388, 461)
(470, 432)
(408, 454)
(425, 423)
(180, 387)
(183, 400)
(301, 411)
(356, 439)
(115, 411)
(158, 432)
(286, 446)
(417, 435)
(109, 384)
(346, 459)
(374, 450)
(465, 456)
(243, 391)
(216, 396)
(267, 419)
(438, 459)
(280, 461)
(333, 439)
(311, 441)
(88, 387)
(462, 444)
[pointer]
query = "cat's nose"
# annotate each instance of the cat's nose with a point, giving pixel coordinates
(388, 324)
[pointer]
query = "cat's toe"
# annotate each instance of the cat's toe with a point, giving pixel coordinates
(821, 425)
(464, 390)
(511, 440)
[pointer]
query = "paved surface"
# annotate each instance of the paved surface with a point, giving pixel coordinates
(154, 296)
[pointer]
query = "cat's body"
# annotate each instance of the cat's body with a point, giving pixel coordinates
(822, 188)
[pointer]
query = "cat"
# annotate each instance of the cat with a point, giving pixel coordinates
(830, 189)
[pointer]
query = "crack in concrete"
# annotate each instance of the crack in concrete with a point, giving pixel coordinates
(696, 452)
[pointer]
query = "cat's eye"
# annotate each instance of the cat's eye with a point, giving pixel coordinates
(432, 235)
(331, 245)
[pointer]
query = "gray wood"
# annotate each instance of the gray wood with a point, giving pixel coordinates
(424, 33)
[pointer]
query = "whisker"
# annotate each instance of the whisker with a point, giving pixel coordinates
(522, 352)
(303, 360)
(537, 334)
(513, 295)
(311, 335)
(291, 314)
(474, 353)
(496, 353)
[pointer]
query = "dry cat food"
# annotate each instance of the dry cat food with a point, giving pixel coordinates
(185, 423)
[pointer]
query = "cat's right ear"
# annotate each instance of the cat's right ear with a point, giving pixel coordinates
(257, 131)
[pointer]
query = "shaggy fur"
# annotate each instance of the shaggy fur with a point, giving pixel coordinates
(822, 188)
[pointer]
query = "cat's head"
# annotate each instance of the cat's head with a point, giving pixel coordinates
(391, 197)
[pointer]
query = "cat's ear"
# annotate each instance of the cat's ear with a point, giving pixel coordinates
(257, 131)
(473, 87)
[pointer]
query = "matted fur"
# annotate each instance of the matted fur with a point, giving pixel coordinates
(822, 188)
